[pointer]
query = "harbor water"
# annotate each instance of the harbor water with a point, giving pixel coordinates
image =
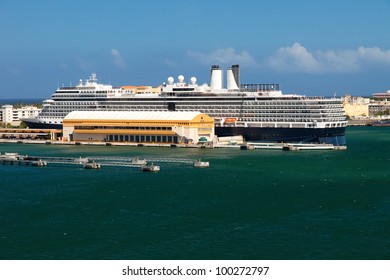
(258, 204)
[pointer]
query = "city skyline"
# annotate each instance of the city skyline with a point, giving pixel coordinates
(308, 47)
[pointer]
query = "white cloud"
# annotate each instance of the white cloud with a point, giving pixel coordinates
(117, 59)
(297, 58)
(84, 64)
(374, 55)
(224, 56)
(170, 63)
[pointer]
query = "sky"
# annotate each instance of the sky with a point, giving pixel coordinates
(315, 48)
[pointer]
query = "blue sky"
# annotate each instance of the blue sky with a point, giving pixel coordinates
(309, 47)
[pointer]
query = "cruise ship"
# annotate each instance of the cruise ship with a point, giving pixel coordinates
(258, 112)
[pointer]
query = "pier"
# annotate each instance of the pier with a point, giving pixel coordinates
(129, 162)
(291, 146)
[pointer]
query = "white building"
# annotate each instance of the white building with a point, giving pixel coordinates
(11, 115)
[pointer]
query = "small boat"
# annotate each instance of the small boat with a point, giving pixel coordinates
(39, 163)
(92, 165)
(198, 163)
(11, 154)
(138, 161)
(10, 157)
(150, 168)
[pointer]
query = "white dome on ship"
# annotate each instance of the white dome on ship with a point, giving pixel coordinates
(193, 80)
(170, 80)
(180, 78)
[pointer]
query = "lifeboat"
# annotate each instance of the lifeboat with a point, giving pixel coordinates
(230, 120)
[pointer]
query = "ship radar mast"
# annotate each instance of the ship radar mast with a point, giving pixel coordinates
(92, 80)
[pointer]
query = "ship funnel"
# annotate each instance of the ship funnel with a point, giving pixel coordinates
(216, 78)
(233, 77)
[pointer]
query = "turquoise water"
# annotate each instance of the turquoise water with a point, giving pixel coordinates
(247, 205)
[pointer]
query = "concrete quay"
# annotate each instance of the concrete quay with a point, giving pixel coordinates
(244, 146)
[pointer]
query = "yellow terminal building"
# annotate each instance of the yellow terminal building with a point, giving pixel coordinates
(138, 127)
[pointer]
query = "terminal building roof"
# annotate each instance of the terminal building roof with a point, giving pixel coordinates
(132, 115)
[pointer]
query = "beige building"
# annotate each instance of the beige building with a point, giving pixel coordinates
(138, 127)
(356, 106)
(361, 108)
(356, 110)
(380, 108)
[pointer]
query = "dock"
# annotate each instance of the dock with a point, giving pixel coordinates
(290, 146)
